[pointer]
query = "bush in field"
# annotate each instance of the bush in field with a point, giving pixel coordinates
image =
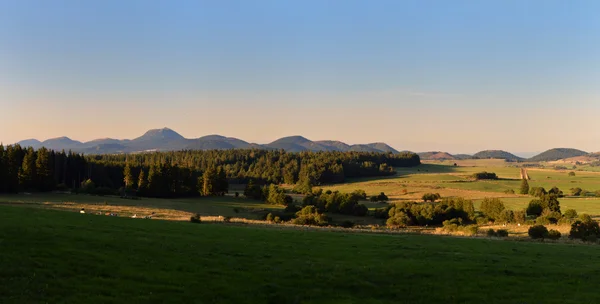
(379, 198)
(571, 173)
(485, 175)
(556, 192)
(535, 208)
(570, 213)
(492, 208)
(490, 232)
(361, 194)
(524, 189)
(270, 217)
(336, 202)
(398, 219)
(537, 232)
(432, 197)
(347, 224)
(537, 191)
(506, 216)
(309, 215)
(576, 191)
(509, 191)
(502, 233)
(519, 216)
(195, 218)
(549, 217)
(554, 234)
(586, 230)
(422, 214)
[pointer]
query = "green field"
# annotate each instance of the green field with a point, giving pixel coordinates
(61, 257)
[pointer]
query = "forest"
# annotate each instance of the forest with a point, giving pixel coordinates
(185, 173)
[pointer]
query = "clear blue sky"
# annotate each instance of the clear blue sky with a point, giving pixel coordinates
(458, 76)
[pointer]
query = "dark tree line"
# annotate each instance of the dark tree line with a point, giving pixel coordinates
(187, 173)
(42, 170)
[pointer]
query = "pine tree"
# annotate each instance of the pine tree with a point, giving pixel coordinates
(128, 176)
(27, 174)
(209, 182)
(524, 187)
(44, 179)
(222, 183)
(142, 181)
(3, 170)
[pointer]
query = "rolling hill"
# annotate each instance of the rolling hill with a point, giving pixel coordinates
(436, 155)
(498, 154)
(557, 153)
(166, 139)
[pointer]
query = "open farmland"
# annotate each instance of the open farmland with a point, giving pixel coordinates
(95, 259)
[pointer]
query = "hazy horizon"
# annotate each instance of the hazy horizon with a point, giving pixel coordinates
(459, 77)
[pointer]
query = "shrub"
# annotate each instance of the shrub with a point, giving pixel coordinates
(227, 219)
(309, 215)
(485, 175)
(509, 191)
(585, 218)
(379, 198)
(519, 216)
(587, 230)
(576, 191)
(506, 216)
(538, 232)
(502, 233)
(524, 189)
(361, 194)
(270, 217)
(554, 234)
(432, 197)
(534, 208)
(537, 191)
(571, 173)
(196, 218)
(398, 219)
(237, 194)
(492, 208)
(490, 232)
(570, 213)
(277, 220)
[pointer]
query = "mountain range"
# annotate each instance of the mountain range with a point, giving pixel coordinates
(549, 155)
(166, 139)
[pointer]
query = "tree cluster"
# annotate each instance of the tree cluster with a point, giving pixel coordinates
(421, 214)
(336, 202)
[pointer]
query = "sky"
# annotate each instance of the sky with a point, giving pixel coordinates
(457, 76)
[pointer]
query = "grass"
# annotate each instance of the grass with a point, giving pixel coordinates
(62, 257)
(207, 206)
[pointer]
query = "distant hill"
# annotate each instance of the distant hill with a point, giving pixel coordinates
(557, 153)
(166, 139)
(497, 154)
(34, 143)
(436, 155)
(462, 156)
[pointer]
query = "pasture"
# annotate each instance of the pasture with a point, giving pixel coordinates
(64, 257)
(449, 181)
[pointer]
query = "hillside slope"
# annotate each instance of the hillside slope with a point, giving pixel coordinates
(557, 153)
(497, 154)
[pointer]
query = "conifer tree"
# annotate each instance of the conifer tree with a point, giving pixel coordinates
(128, 176)
(524, 187)
(142, 181)
(44, 179)
(27, 174)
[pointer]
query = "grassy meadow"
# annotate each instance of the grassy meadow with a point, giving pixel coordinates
(65, 257)
(448, 180)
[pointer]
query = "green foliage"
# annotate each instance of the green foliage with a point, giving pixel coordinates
(509, 191)
(379, 198)
(524, 189)
(432, 197)
(492, 208)
(360, 194)
(571, 173)
(506, 216)
(276, 196)
(398, 219)
(422, 214)
(537, 191)
(519, 216)
(309, 215)
(555, 192)
(485, 175)
(538, 232)
(570, 213)
(586, 230)
(88, 186)
(490, 232)
(554, 234)
(535, 208)
(254, 191)
(336, 202)
(576, 191)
